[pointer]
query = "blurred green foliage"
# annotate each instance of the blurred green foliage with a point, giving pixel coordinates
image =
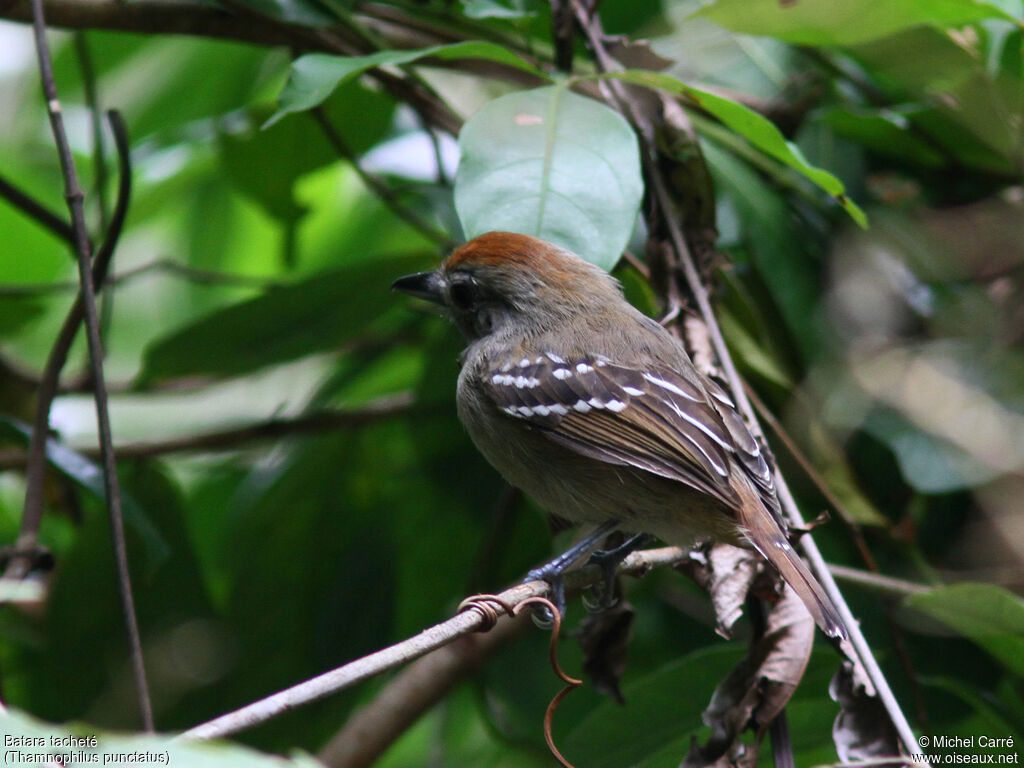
(891, 356)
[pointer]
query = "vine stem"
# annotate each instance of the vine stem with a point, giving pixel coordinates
(76, 204)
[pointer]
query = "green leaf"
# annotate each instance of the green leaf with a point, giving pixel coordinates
(662, 707)
(314, 77)
(989, 615)
(89, 476)
(772, 241)
(498, 9)
(18, 311)
(843, 22)
(308, 12)
(266, 164)
(758, 130)
(885, 131)
(751, 353)
(283, 324)
(552, 164)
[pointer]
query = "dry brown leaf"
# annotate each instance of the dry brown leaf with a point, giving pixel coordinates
(604, 638)
(862, 730)
(758, 688)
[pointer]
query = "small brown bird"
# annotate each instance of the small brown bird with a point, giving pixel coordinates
(596, 411)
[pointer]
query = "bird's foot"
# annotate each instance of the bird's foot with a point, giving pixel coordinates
(602, 596)
(541, 613)
(553, 572)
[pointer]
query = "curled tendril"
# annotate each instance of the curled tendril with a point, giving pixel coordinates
(570, 682)
(488, 607)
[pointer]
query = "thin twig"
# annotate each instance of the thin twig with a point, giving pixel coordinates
(49, 380)
(75, 198)
(308, 423)
(239, 437)
(815, 477)
(90, 92)
(36, 211)
(663, 200)
(374, 727)
(426, 641)
(379, 188)
(874, 581)
(190, 274)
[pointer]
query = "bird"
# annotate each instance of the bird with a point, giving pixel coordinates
(596, 411)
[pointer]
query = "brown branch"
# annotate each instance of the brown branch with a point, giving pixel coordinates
(75, 198)
(190, 274)
(272, 429)
(372, 729)
(428, 640)
(163, 17)
(239, 23)
(238, 437)
(49, 381)
(36, 211)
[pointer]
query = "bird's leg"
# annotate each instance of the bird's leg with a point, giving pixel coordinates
(553, 571)
(602, 595)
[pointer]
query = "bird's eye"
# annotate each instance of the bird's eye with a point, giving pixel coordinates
(463, 294)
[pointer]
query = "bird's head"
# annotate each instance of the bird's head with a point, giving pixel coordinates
(501, 280)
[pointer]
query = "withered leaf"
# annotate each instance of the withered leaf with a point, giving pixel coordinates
(604, 638)
(759, 687)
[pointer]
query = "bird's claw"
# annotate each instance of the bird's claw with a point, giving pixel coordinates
(541, 613)
(604, 595)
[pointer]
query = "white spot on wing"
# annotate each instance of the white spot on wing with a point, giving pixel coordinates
(583, 368)
(555, 358)
(582, 406)
(524, 362)
(560, 409)
(615, 405)
(541, 410)
(595, 403)
(633, 391)
(561, 373)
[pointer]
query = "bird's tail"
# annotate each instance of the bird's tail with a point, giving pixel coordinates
(768, 538)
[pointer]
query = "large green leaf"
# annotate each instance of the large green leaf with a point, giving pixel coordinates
(885, 131)
(772, 240)
(989, 615)
(314, 315)
(758, 130)
(266, 164)
(843, 22)
(314, 77)
(552, 164)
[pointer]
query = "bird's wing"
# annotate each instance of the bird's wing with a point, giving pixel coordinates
(655, 419)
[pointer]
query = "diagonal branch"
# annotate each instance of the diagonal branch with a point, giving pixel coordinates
(378, 187)
(590, 24)
(426, 641)
(36, 210)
